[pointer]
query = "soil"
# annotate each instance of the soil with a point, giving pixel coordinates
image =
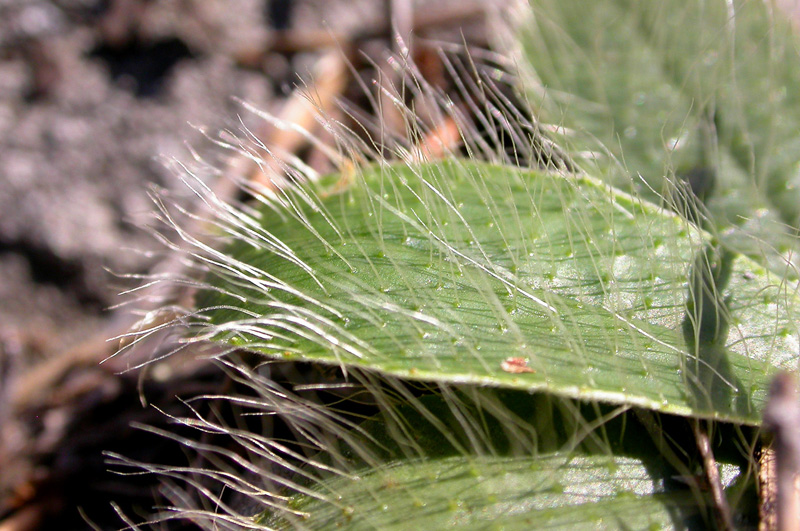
(94, 97)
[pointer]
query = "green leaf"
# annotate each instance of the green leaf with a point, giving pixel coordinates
(705, 91)
(540, 464)
(581, 492)
(444, 272)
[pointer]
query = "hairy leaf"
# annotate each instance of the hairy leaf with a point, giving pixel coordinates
(448, 272)
(706, 92)
(555, 491)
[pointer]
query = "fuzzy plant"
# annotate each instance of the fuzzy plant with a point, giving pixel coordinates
(569, 319)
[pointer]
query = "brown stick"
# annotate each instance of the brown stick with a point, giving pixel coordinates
(723, 510)
(782, 418)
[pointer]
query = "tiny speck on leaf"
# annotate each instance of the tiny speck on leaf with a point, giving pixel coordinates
(516, 365)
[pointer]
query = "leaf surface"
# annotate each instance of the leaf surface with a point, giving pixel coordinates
(707, 92)
(553, 491)
(478, 458)
(445, 272)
